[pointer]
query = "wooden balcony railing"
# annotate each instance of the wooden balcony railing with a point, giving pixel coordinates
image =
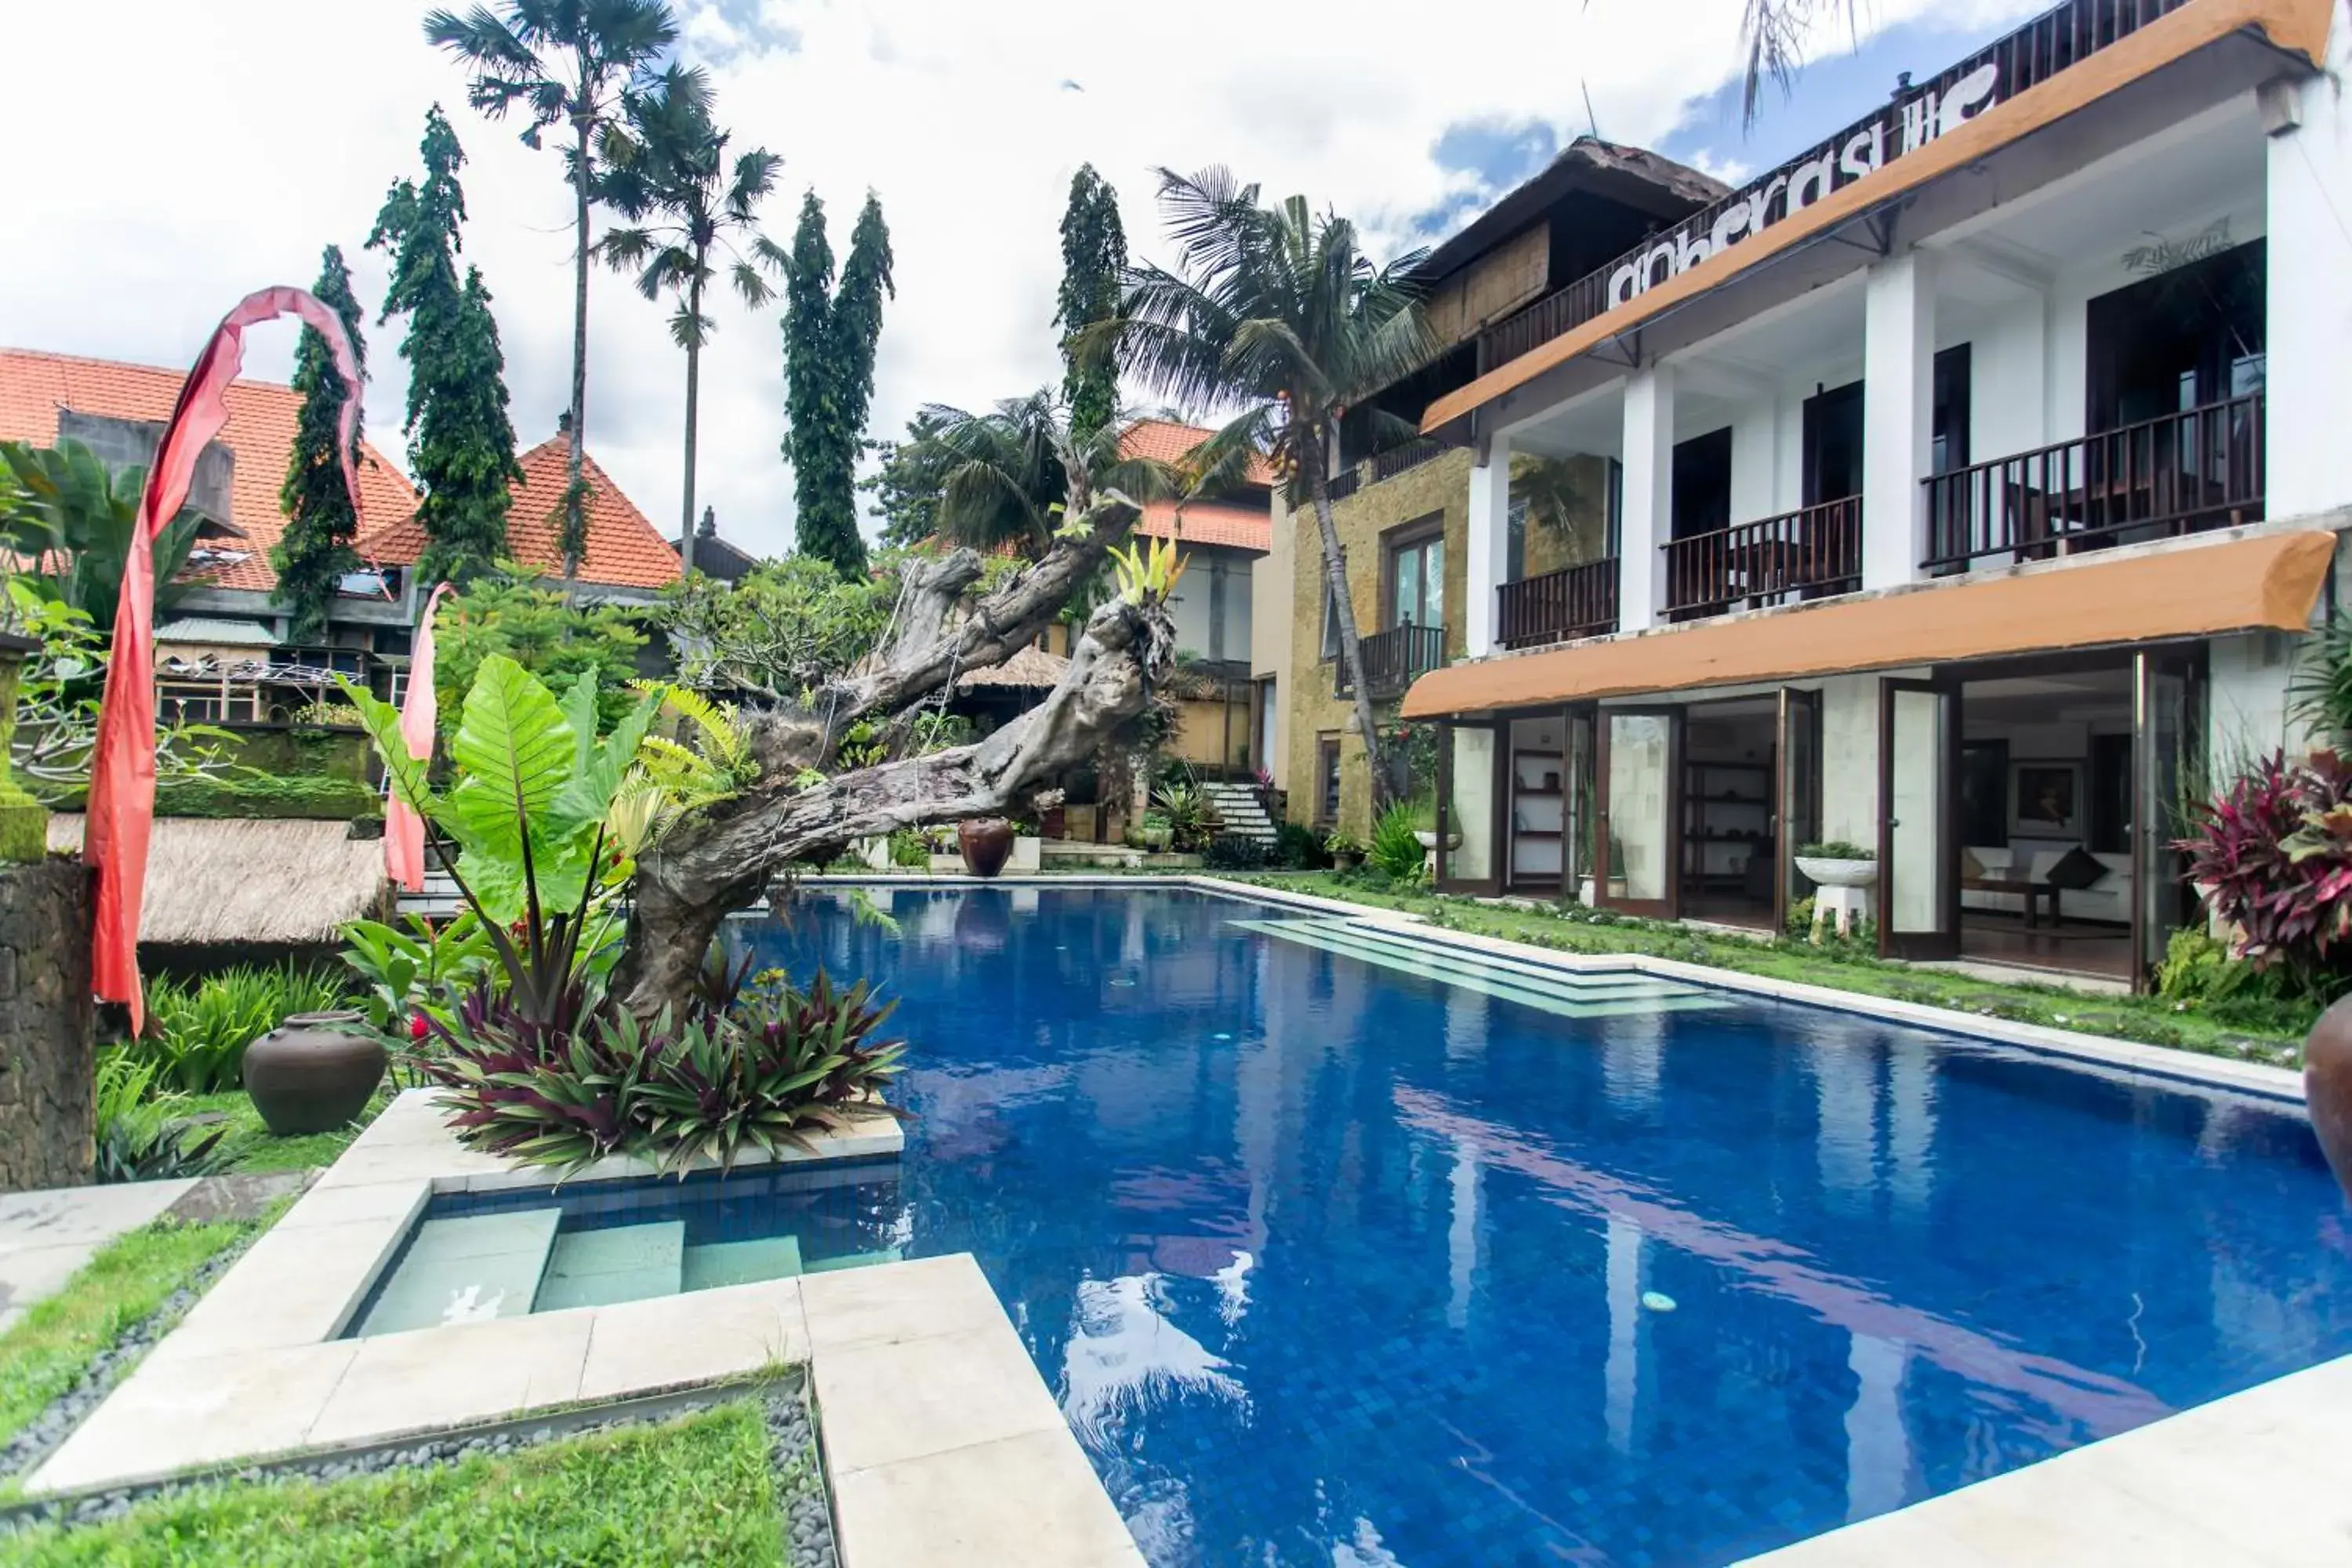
(1388, 465)
(2196, 469)
(1392, 659)
(1573, 602)
(2059, 38)
(1813, 551)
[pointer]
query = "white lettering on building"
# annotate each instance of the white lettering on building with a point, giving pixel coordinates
(1917, 121)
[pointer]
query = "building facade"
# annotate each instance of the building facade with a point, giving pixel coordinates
(1971, 485)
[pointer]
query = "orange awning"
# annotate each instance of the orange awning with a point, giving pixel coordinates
(2271, 583)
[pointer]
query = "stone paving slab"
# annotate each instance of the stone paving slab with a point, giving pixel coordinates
(45, 1236)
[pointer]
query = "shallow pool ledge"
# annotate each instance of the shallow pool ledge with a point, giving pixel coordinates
(2255, 1478)
(942, 1442)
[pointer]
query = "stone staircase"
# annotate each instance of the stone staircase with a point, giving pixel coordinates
(1237, 806)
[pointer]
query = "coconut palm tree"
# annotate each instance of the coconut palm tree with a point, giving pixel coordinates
(668, 165)
(1016, 472)
(1277, 311)
(561, 62)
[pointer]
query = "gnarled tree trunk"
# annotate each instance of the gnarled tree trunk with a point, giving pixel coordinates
(721, 857)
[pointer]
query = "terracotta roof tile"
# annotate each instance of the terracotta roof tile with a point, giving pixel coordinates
(1210, 523)
(1172, 442)
(260, 433)
(624, 549)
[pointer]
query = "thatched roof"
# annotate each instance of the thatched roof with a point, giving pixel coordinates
(259, 882)
(1029, 669)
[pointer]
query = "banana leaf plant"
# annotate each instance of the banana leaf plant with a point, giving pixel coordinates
(529, 812)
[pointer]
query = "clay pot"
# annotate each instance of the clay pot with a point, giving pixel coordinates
(985, 842)
(314, 1073)
(2327, 1088)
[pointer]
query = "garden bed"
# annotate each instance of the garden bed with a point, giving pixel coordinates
(64, 1356)
(733, 1479)
(2147, 1020)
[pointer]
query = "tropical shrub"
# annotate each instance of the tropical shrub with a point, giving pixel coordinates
(1296, 849)
(242, 797)
(1187, 814)
(201, 1029)
(1234, 852)
(413, 971)
(140, 1135)
(739, 1069)
(541, 849)
(909, 849)
(1829, 849)
(510, 614)
(1395, 847)
(2272, 856)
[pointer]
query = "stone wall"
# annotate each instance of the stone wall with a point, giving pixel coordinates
(47, 1024)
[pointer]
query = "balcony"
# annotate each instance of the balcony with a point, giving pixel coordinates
(2057, 40)
(1812, 552)
(1392, 659)
(1557, 606)
(2177, 474)
(1388, 465)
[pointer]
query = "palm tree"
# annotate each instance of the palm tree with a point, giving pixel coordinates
(1277, 311)
(563, 62)
(670, 164)
(1015, 473)
(1772, 35)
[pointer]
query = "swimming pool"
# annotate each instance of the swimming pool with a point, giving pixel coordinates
(1340, 1250)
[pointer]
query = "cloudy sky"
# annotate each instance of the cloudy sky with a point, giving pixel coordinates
(177, 155)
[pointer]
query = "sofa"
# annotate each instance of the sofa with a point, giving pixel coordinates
(2109, 898)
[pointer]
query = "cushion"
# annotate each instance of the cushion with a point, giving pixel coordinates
(2074, 872)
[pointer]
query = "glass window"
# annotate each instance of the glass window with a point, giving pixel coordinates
(1326, 780)
(1516, 564)
(1640, 831)
(1330, 624)
(1417, 570)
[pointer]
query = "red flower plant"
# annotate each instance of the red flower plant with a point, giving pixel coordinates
(2273, 859)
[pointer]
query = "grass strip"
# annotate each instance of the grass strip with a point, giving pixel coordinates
(257, 1150)
(2148, 1020)
(48, 1349)
(695, 1490)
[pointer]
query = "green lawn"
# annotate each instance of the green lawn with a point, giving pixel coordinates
(258, 1151)
(697, 1489)
(2268, 1034)
(47, 1349)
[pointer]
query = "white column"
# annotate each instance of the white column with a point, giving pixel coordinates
(1898, 412)
(1649, 494)
(1487, 560)
(1755, 460)
(1462, 1235)
(2310, 312)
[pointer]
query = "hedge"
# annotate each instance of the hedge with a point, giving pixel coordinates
(309, 798)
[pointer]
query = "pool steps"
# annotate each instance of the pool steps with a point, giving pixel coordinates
(1564, 992)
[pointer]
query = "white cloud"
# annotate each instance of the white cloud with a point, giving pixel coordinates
(141, 211)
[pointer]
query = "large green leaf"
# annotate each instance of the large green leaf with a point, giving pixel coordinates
(513, 736)
(600, 766)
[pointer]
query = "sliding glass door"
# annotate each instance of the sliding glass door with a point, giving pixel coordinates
(1469, 858)
(1797, 794)
(1918, 848)
(1638, 838)
(2168, 728)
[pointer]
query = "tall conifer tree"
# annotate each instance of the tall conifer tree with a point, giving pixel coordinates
(315, 552)
(1094, 262)
(461, 446)
(830, 336)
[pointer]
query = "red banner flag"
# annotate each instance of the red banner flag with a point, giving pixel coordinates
(122, 768)
(404, 830)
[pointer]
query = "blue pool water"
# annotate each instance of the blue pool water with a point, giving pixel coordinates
(1335, 1263)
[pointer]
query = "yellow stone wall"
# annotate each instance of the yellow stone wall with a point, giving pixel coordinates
(1572, 492)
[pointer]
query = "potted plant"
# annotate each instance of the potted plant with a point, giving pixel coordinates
(1346, 851)
(1835, 863)
(1157, 832)
(1425, 826)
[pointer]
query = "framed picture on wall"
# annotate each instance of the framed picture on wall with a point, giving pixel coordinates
(2045, 800)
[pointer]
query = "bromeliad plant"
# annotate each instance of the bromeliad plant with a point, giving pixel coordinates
(739, 1070)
